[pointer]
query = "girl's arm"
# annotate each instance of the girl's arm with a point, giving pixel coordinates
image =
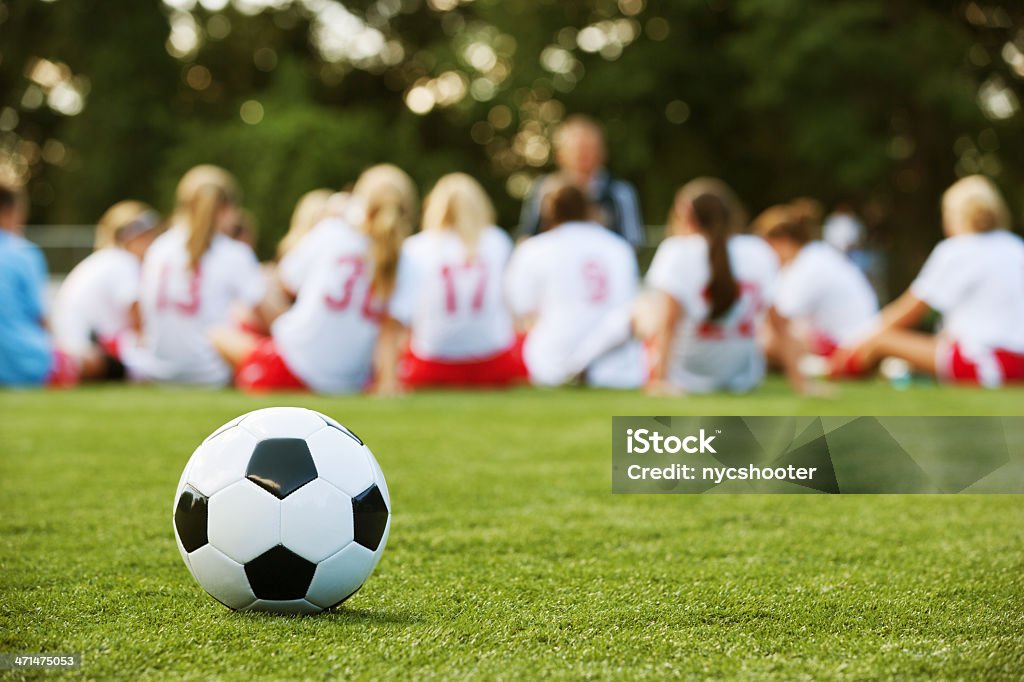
(788, 348)
(906, 311)
(390, 342)
(135, 318)
(278, 299)
(671, 316)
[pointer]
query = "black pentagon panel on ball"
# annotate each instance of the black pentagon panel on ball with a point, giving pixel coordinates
(370, 517)
(281, 466)
(279, 574)
(190, 519)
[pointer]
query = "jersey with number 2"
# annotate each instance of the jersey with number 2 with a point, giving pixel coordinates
(717, 354)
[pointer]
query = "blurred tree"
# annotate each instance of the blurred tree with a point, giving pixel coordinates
(91, 83)
(882, 102)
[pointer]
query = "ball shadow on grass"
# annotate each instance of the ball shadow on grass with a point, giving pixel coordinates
(340, 615)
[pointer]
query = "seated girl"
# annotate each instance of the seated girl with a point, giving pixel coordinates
(566, 286)
(97, 305)
(193, 276)
(821, 299)
(341, 274)
(975, 279)
(449, 293)
(710, 290)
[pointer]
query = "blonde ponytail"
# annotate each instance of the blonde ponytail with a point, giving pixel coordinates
(389, 198)
(201, 195)
(458, 203)
(386, 235)
(202, 221)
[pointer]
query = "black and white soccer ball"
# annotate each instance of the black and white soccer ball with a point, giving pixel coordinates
(282, 510)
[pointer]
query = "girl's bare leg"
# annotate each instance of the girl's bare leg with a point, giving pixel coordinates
(917, 348)
(233, 345)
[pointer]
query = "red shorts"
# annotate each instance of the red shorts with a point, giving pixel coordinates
(63, 372)
(826, 347)
(821, 344)
(991, 368)
(505, 368)
(265, 370)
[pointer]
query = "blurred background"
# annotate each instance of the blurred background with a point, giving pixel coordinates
(876, 104)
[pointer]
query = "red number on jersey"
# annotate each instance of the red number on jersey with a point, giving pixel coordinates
(189, 306)
(595, 281)
(751, 306)
(352, 270)
(449, 273)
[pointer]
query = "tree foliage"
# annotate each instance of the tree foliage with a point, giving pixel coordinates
(878, 102)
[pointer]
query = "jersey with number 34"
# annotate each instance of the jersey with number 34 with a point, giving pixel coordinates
(327, 338)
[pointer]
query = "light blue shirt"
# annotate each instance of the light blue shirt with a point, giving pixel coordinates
(26, 353)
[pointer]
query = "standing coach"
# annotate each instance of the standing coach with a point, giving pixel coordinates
(580, 156)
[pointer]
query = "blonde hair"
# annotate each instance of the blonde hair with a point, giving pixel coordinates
(974, 204)
(458, 203)
(799, 220)
(202, 193)
(389, 199)
(309, 210)
(737, 214)
(116, 218)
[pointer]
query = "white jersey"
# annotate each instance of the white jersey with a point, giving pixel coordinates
(452, 301)
(823, 290)
(181, 306)
(710, 355)
(96, 298)
(977, 282)
(328, 337)
(572, 278)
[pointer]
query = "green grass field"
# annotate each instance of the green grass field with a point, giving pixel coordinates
(508, 558)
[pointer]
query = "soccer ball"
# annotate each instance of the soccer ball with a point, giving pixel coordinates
(282, 510)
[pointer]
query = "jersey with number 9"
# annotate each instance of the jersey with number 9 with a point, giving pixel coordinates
(571, 278)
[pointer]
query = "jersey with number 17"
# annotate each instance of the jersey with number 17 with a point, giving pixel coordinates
(451, 296)
(328, 337)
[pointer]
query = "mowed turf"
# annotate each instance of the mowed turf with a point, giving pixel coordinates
(508, 557)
